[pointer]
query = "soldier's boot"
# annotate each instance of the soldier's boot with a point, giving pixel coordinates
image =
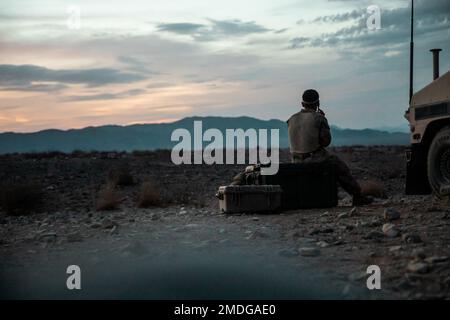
(349, 183)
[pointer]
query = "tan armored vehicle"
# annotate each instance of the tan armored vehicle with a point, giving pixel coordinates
(428, 159)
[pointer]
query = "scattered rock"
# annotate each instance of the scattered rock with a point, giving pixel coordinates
(48, 237)
(114, 230)
(354, 212)
(257, 234)
(375, 222)
(391, 214)
(322, 244)
(343, 215)
(418, 267)
(154, 217)
(349, 227)
(96, 225)
(108, 224)
(374, 235)
(411, 238)
(390, 230)
(309, 252)
(395, 248)
(419, 254)
(437, 259)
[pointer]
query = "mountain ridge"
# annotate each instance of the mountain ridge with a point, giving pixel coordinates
(158, 135)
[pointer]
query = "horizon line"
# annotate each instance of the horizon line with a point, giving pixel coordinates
(189, 117)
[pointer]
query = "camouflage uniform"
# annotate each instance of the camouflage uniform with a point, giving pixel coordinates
(309, 135)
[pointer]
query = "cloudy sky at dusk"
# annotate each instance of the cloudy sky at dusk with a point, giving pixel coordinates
(141, 61)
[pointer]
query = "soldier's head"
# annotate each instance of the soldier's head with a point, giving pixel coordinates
(310, 99)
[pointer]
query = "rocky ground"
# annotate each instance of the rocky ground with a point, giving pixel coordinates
(323, 252)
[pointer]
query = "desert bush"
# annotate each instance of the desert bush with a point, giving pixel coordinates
(149, 195)
(120, 177)
(373, 188)
(20, 199)
(108, 198)
(78, 153)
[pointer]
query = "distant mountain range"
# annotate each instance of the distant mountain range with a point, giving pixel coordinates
(158, 136)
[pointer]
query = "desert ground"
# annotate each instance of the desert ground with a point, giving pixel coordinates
(141, 227)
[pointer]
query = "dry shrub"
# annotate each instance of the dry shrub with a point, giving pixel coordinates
(108, 198)
(373, 188)
(149, 195)
(120, 177)
(20, 199)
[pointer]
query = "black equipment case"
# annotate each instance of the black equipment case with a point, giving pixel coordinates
(305, 185)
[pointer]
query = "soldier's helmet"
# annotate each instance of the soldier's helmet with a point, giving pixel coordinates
(310, 97)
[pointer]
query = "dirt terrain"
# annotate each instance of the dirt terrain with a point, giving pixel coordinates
(406, 236)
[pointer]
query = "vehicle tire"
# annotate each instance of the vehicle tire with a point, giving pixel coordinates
(438, 163)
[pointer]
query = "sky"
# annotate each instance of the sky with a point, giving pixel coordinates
(141, 61)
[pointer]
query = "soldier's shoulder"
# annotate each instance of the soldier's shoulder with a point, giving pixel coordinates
(294, 116)
(320, 116)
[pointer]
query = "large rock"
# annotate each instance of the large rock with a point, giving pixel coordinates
(391, 214)
(418, 267)
(390, 230)
(48, 237)
(411, 238)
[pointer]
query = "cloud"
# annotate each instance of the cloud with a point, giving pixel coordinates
(237, 27)
(25, 75)
(430, 17)
(105, 96)
(181, 28)
(37, 87)
(342, 17)
(214, 30)
(299, 42)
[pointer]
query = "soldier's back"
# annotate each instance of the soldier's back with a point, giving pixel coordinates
(303, 129)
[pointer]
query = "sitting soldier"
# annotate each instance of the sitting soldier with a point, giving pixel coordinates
(309, 135)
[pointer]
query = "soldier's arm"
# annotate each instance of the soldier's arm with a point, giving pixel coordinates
(324, 133)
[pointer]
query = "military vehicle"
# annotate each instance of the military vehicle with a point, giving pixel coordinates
(428, 158)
